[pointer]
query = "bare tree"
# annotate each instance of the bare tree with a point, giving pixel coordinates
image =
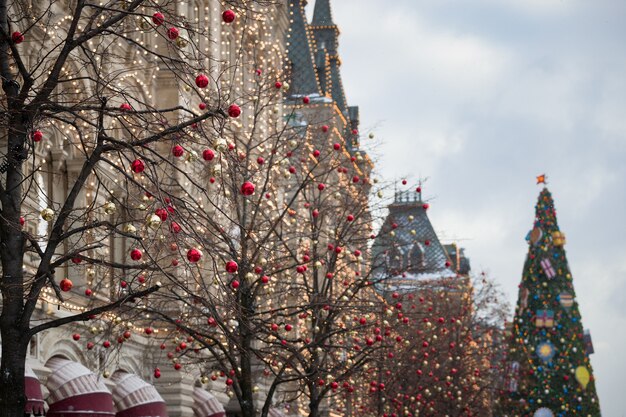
(106, 107)
(448, 329)
(283, 287)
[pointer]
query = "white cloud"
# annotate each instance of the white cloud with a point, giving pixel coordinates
(481, 96)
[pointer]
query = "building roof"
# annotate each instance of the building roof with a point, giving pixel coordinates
(302, 63)
(408, 249)
(322, 15)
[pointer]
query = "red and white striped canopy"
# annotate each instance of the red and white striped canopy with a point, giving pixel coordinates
(206, 405)
(75, 391)
(134, 397)
(34, 397)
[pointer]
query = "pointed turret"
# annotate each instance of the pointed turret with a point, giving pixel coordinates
(304, 81)
(408, 250)
(322, 15)
(326, 35)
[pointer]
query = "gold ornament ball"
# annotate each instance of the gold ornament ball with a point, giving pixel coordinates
(109, 207)
(47, 214)
(153, 221)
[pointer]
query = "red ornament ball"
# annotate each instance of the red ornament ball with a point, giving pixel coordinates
(336, 146)
(247, 188)
(306, 100)
(208, 155)
(88, 292)
(202, 81)
(125, 107)
(37, 136)
(76, 336)
(228, 16)
(202, 106)
(65, 285)
(137, 166)
(232, 267)
(194, 255)
(234, 110)
(175, 227)
(157, 373)
(321, 187)
(325, 128)
(172, 33)
(278, 85)
(135, 254)
(178, 151)
(17, 37)
(158, 18)
(234, 284)
(425, 206)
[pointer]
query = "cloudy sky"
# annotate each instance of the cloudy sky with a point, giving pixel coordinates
(483, 95)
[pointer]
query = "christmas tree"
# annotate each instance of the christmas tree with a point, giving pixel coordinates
(549, 372)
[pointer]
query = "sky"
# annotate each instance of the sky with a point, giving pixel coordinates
(481, 96)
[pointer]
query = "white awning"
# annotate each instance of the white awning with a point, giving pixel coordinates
(134, 397)
(76, 390)
(206, 405)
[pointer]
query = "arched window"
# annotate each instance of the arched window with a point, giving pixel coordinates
(417, 257)
(394, 261)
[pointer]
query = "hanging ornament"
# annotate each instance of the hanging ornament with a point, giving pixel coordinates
(135, 254)
(194, 255)
(47, 214)
(232, 267)
(543, 412)
(535, 236)
(202, 81)
(153, 221)
(37, 136)
(65, 285)
(558, 238)
(544, 318)
(566, 300)
(247, 188)
(158, 19)
(178, 151)
(17, 37)
(208, 155)
(109, 207)
(228, 16)
(545, 351)
(172, 33)
(582, 376)
(234, 111)
(137, 166)
(546, 265)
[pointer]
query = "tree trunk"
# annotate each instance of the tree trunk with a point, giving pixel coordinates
(12, 397)
(314, 406)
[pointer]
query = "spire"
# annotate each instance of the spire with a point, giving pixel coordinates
(304, 79)
(322, 15)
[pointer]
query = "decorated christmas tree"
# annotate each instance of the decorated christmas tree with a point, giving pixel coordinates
(548, 369)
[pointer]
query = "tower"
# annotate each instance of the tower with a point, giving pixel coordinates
(548, 369)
